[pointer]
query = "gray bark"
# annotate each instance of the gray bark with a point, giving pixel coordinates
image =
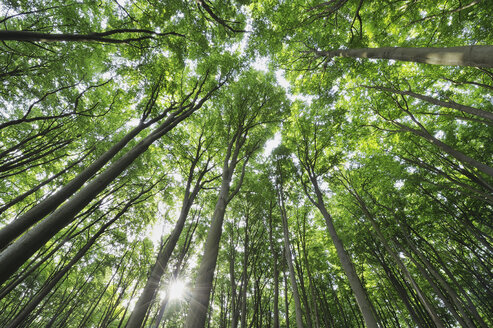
(364, 303)
(146, 299)
(475, 56)
(199, 303)
(447, 104)
(14, 229)
(289, 261)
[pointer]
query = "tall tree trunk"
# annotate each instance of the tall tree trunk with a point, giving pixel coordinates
(199, 303)
(447, 104)
(475, 56)
(364, 303)
(148, 294)
(428, 306)
(61, 273)
(22, 249)
(39, 211)
(14, 229)
(30, 36)
(275, 270)
(423, 132)
(287, 249)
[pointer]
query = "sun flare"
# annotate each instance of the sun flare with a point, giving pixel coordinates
(177, 289)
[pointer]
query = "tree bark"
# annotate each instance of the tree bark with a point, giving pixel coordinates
(14, 229)
(276, 271)
(474, 56)
(428, 306)
(29, 36)
(364, 304)
(447, 104)
(199, 303)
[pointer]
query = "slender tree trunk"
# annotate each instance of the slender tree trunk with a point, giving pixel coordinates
(275, 269)
(197, 314)
(148, 294)
(364, 303)
(400, 290)
(38, 212)
(475, 56)
(286, 297)
(447, 104)
(428, 306)
(422, 132)
(287, 252)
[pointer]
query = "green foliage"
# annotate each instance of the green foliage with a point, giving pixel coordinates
(345, 123)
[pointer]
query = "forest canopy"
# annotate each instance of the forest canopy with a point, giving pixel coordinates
(246, 163)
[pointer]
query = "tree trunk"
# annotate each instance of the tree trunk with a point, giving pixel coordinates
(475, 56)
(38, 212)
(29, 36)
(287, 251)
(447, 104)
(428, 306)
(364, 304)
(61, 273)
(444, 147)
(199, 303)
(17, 253)
(148, 294)
(276, 271)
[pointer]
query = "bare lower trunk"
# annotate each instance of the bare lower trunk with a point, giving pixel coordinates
(475, 56)
(364, 303)
(199, 303)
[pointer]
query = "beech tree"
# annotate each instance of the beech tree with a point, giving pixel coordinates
(246, 163)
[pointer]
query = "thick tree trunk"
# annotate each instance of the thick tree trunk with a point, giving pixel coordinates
(199, 303)
(14, 229)
(475, 56)
(29, 36)
(61, 273)
(364, 304)
(201, 293)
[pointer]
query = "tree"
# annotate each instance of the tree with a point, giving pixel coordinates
(256, 103)
(246, 164)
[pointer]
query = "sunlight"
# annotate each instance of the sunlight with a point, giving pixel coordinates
(177, 290)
